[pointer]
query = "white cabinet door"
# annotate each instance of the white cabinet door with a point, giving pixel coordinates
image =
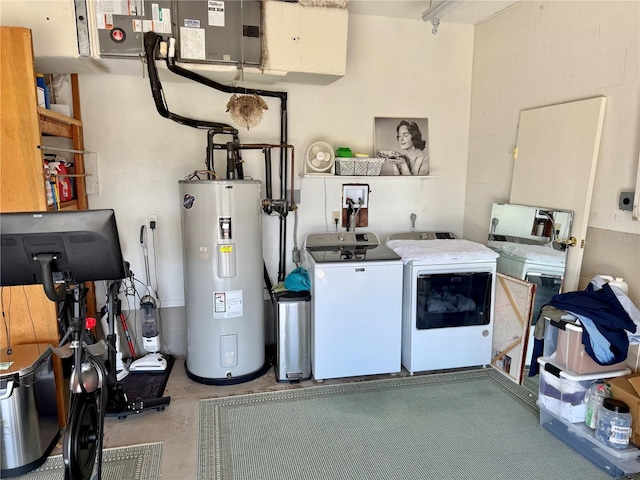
(556, 164)
(305, 39)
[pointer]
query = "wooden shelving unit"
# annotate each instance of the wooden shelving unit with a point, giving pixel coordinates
(53, 124)
(30, 317)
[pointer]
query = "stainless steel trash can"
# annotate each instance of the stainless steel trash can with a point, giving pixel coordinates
(28, 409)
(293, 343)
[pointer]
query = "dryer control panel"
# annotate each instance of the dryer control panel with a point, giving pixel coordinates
(423, 236)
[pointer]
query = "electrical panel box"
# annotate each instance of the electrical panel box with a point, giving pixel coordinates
(206, 31)
(215, 31)
(121, 25)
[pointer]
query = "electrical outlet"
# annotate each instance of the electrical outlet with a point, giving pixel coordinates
(153, 220)
(335, 216)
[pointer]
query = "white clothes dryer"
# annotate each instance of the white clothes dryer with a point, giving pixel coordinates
(448, 298)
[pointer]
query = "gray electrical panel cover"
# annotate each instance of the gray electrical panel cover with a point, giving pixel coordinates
(215, 31)
(121, 25)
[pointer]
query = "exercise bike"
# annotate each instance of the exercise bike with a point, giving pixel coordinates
(94, 389)
(62, 250)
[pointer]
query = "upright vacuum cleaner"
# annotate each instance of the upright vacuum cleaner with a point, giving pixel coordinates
(153, 361)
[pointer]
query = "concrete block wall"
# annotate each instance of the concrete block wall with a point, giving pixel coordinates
(543, 53)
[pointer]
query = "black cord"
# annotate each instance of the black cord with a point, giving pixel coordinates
(33, 327)
(157, 296)
(155, 265)
(7, 328)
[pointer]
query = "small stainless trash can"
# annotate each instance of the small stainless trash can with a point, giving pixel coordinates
(28, 411)
(293, 343)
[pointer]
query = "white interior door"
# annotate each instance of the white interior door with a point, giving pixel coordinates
(556, 164)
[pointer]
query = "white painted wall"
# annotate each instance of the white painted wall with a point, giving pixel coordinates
(395, 68)
(543, 53)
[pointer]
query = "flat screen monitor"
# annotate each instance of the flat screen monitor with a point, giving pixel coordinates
(84, 246)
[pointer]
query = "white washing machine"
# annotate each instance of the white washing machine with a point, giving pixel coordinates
(448, 298)
(356, 305)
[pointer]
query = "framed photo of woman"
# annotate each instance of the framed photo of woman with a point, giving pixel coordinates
(403, 143)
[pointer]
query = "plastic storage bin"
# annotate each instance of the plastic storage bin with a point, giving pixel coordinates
(562, 393)
(616, 462)
(563, 345)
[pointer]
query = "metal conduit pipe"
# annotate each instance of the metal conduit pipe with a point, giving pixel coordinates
(151, 42)
(292, 205)
(150, 45)
(267, 171)
(261, 146)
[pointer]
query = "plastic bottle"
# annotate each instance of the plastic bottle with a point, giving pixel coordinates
(613, 426)
(42, 85)
(593, 399)
(616, 282)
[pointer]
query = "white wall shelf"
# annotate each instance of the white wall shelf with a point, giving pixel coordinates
(362, 177)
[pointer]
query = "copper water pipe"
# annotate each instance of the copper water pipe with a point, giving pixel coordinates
(255, 146)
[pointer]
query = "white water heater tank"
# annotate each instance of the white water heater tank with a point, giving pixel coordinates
(223, 280)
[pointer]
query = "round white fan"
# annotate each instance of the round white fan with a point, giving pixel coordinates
(320, 158)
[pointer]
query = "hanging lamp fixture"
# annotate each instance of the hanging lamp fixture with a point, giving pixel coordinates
(436, 11)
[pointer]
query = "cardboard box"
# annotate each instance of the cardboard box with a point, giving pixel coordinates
(627, 389)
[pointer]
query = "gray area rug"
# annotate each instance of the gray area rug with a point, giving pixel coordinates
(467, 425)
(138, 462)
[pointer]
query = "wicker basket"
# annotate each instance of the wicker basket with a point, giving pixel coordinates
(359, 167)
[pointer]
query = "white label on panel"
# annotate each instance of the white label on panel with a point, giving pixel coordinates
(135, 7)
(101, 21)
(165, 21)
(106, 6)
(192, 43)
(138, 25)
(219, 303)
(234, 303)
(227, 304)
(161, 19)
(191, 23)
(216, 13)
(104, 21)
(119, 7)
